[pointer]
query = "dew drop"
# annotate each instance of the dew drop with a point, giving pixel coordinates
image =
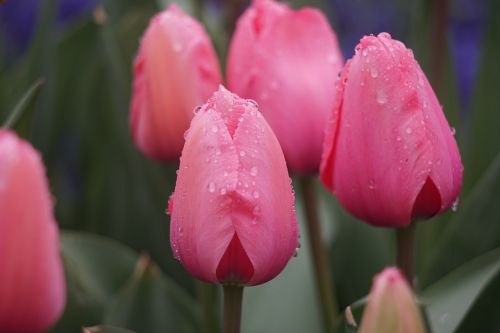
(197, 109)
(453, 131)
(371, 184)
(223, 191)
(215, 129)
(365, 52)
(409, 130)
(253, 102)
(225, 174)
(254, 171)
(373, 72)
(242, 153)
(217, 151)
(211, 187)
(454, 205)
(256, 195)
(398, 138)
(381, 97)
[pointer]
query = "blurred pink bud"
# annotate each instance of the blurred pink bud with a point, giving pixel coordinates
(391, 306)
(389, 153)
(175, 70)
(288, 61)
(232, 212)
(32, 286)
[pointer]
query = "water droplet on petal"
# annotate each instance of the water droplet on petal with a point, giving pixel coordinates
(453, 131)
(373, 72)
(371, 184)
(223, 191)
(256, 195)
(242, 153)
(409, 130)
(215, 129)
(211, 187)
(197, 109)
(454, 206)
(381, 97)
(254, 171)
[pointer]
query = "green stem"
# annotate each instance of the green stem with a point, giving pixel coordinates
(207, 298)
(323, 276)
(233, 296)
(405, 242)
(438, 42)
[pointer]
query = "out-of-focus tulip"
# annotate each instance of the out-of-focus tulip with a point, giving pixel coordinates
(391, 306)
(232, 212)
(32, 287)
(389, 153)
(175, 70)
(288, 62)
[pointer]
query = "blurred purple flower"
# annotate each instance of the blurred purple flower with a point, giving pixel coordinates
(467, 27)
(355, 18)
(19, 18)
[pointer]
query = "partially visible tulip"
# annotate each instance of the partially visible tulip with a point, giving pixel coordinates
(391, 306)
(32, 285)
(389, 153)
(232, 212)
(175, 70)
(287, 60)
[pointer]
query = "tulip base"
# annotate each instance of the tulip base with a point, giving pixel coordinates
(233, 296)
(405, 243)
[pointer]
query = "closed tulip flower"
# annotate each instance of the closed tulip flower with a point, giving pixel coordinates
(391, 306)
(175, 70)
(32, 287)
(287, 60)
(389, 153)
(232, 212)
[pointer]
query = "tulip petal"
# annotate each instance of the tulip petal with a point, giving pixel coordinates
(232, 219)
(447, 169)
(175, 70)
(269, 234)
(32, 285)
(270, 40)
(201, 227)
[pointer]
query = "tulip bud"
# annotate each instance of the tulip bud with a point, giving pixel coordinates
(391, 306)
(32, 286)
(389, 153)
(287, 60)
(175, 70)
(232, 212)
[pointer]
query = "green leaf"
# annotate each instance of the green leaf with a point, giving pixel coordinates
(95, 269)
(474, 229)
(451, 298)
(23, 103)
(105, 329)
(151, 303)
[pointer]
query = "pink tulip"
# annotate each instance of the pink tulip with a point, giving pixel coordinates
(32, 286)
(391, 306)
(287, 60)
(389, 153)
(175, 70)
(232, 212)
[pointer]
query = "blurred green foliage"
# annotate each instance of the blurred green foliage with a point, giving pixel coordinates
(104, 186)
